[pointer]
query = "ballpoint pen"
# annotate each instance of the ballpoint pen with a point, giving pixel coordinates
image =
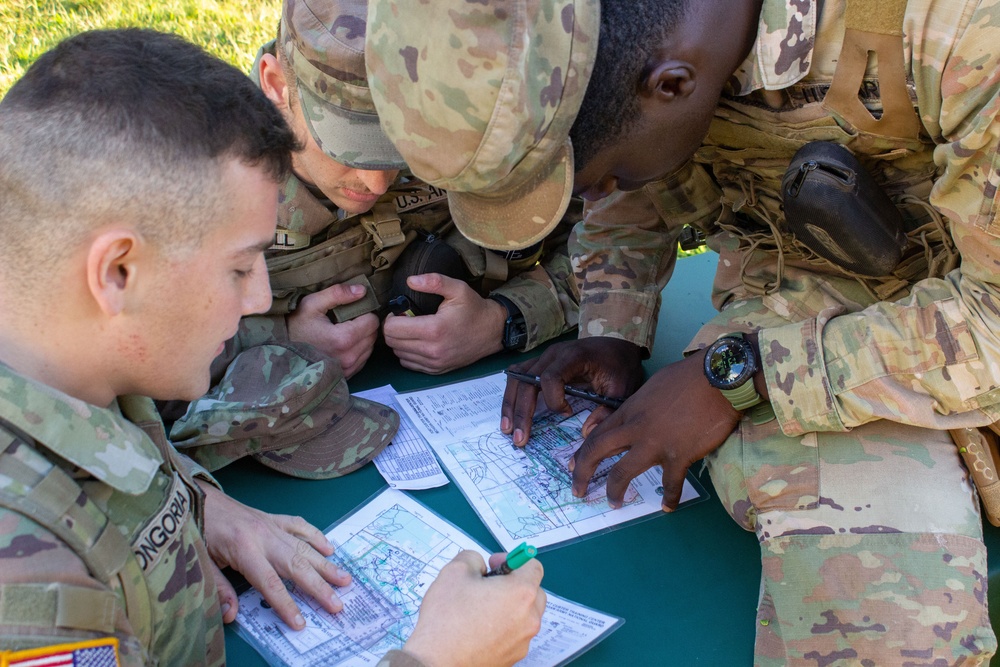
(570, 391)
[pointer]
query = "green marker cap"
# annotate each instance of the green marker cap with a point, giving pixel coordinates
(520, 555)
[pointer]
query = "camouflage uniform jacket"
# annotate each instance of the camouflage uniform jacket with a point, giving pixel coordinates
(545, 293)
(926, 349)
(130, 477)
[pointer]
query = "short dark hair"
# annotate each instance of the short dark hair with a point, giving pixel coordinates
(631, 31)
(162, 90)
(131, 125)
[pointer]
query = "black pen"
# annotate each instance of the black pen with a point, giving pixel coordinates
(569, 391)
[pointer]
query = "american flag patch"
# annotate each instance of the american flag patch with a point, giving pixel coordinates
(92, 653)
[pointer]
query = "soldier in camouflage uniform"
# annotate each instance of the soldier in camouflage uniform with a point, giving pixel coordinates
(138, 189)
(345, 217)
(347, 196)
(871, 540)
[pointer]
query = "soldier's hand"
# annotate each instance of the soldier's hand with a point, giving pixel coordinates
(465, 328)
(351, 343)
(268, 548)
(673, 420)
(228, 601)
(609, 366)
(468, 619)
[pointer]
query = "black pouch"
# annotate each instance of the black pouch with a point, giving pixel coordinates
(426, 254)
(836, 209)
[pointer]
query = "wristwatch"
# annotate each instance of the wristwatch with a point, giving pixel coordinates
(515, 331)
(730, 364)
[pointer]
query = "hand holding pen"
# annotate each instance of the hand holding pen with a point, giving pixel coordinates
(570, 390)
(517, 557)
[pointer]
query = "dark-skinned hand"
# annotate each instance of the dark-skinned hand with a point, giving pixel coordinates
(609, 366)
(673, 420)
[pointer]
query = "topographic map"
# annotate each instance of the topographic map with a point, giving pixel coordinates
(394, 547)
(524, 494)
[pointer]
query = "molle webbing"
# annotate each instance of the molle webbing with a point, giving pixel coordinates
(368, 246)
(54, 500)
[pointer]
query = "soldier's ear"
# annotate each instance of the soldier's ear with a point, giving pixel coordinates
(668, 80)
(111, 268)
(272, 81)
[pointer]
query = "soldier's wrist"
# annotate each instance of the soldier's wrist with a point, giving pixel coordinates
(514, 329)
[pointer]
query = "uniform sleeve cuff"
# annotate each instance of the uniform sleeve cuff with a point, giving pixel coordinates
(195, 470)
(797, 382)
(626, 314)
(543, 316)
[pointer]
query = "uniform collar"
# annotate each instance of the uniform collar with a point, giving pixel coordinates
(102, 441)
(782, 54)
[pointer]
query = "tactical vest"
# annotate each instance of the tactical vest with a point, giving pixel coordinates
(364, 248)
(50, 497)
(752, 137)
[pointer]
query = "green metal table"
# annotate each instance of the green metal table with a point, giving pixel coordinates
(685, 583)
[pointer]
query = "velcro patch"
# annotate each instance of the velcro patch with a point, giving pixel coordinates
(286, 239)
(90, 653)
(411, 201)
(150, 544)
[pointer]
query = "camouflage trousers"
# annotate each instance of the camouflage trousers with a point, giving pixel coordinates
(871, 541)
(871, 545)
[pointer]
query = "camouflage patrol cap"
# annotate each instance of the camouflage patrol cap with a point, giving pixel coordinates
(288, 406)
(479, 98)
(323, 41)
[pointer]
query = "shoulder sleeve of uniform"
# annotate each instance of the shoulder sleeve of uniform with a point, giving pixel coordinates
(49, 599)
(105, 651)
(624, 250)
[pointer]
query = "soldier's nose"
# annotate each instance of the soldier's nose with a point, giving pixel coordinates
(377, 181)
(601, 189)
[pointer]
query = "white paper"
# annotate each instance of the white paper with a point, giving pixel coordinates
(407, 462)
(394, 547)
(524, 494)
(454, 411)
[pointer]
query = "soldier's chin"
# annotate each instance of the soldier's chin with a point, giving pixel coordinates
(190, 392)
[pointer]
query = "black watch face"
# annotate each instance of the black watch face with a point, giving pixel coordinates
(515, 335)
(729, 363)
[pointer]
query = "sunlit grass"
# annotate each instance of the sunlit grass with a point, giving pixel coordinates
(231, 29)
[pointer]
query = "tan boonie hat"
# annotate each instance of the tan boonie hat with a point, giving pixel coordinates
(479, 98)
(324, 42)
(288, 406)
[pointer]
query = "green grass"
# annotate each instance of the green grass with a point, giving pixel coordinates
(231, 29)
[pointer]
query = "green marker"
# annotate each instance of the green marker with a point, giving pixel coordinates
(517, 557)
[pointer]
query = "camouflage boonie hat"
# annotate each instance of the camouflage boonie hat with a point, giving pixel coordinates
(324, 41)
(288, 406)
(479, 98)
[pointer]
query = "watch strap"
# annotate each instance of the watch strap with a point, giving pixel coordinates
(743, 397)
(515, 331)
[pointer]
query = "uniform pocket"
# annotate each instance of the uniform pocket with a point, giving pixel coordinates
(781, 472)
